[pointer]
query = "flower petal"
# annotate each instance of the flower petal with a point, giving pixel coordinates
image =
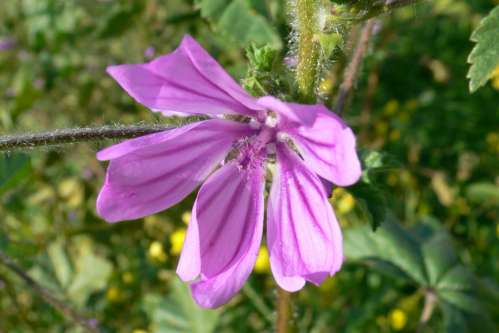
(151, 173)
(187, 80)
(303, 235)
(299, 113)
(224, 234)
(328, 148)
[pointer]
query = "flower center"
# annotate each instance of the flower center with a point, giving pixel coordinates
(250, 157)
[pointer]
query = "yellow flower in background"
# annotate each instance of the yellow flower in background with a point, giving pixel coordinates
(398, 319)
(497, 231)
(156, 251)
(492, 138)
(495, 79)
(186, 217)
(262, 263)
(343, 201)
(395, 134)
(127, 277)
(113, 294)
(177, 240)
(139, 331)
(391, 107)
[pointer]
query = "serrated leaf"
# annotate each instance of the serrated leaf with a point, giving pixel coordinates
(177, 313)
(91, 276)
(329, 42)
(370, 198)
(485, 55)
(376, 161)
(13, 169)
(392, 244)
(60, 261)
(372, 201)
(238, 20)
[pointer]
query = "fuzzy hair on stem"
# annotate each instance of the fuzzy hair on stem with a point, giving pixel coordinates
(58, 138)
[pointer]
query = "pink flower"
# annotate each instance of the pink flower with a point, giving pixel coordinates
(151, 173)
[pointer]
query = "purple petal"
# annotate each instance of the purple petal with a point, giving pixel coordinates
(303, 235)
(151, 173)
(328, 186)
(187, 80)
(328, 147)
(224, 234)
(299, 113)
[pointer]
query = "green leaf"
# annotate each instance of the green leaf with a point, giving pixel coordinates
(392, 244)
(459, 321)
(372, 201)
(329, 42)
(177, 313)
(91, 276)
(239, 21)
(480, 192)
(485, 55)
(438, 255)
(60, 261)
(459, 278)
(261, 58)
(376, 161)
(13, 169)
(370, 198)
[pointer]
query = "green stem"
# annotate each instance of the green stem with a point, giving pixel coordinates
(56, 138)
(283, 320)
(307, 69)
(56, 303)
(382, 8)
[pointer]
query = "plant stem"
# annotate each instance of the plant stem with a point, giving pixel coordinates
(381, 8)
(283, 319)
(258, 302)
(75, 135)
(353, 68)
(60, 306)
(429, 305)
(307, 68)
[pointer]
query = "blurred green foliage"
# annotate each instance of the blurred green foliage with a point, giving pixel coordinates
(412, 100)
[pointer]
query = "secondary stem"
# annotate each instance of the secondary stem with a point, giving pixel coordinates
(353, 68)
(307, 68)
(429, 305)
(381, 8)
(58, 137)
(283, 319)
(63, 308)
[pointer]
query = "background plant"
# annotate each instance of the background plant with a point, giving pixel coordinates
(411, 99)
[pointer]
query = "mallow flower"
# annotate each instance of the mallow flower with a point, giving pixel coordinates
(302, 147)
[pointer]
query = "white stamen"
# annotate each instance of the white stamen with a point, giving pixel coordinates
(270, 148)
(281, 137)
(254, 124)
(270, 121)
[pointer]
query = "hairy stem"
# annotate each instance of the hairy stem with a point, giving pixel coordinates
(353, 68)
(60, 306)
(429, 305)
(381, 8)
(59, 137)
(307, 68)
(283, 320)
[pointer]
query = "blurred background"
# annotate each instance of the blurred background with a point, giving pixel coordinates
(411, 100)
